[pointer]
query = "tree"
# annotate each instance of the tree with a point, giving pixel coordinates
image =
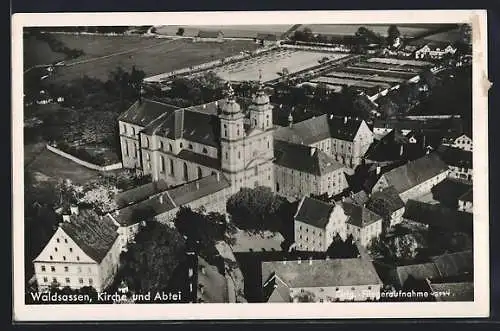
(206, 228)
(255, 209)
(406, 247)
(392, 34)
(149, 262)
(180, 32)
(340, 249)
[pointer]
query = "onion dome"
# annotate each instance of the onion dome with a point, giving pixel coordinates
(230, 106)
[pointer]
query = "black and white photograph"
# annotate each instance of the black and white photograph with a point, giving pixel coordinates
(215, 160)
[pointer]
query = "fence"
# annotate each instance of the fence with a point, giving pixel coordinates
(86, 164)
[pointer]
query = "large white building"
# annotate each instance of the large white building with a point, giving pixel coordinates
(181, 145)
(84, 251)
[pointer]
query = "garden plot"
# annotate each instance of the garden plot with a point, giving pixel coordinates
(271, 64)
(375, 77)
(400, 62)
(350, 82)
(385, 73)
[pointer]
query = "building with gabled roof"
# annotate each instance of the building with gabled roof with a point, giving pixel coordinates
(267, 39)
(303, 170)
(388, 204)
(435, 50)
(327, 280)
(458, 160)
(362, 223)
(317, 223)
(414, 178)
(345, 139)
(84, 251)
(465, 201)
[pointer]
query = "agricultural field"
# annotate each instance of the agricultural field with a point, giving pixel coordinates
(272, 63)
(154, 56)
(349, 82)
(407, 30)
(399, 62)
(230, 31)
(37, 52)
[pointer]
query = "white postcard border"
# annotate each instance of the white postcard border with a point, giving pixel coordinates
(478, 308)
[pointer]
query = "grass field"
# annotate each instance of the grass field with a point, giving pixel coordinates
(49, 167)
(38, 52)
(154, 56)
(230, 31)
(344, 29)
(272, 63)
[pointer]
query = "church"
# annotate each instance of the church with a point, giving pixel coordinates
(180, 145)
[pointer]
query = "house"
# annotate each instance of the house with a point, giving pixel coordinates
(209, 36)
(317, 223)
(463, 141)
(457, 265)
(388, 204)
(84, 251)
(181, 145)
(438, 216)
(362, 223)
(434, 50)
(465, 202)
(345, 139)
(303, 170)
(210, 192)
(320, 280)
(449, 191)
(394, 146)
(414, 178)
(423, 124)
(459, 162)
(267, 39)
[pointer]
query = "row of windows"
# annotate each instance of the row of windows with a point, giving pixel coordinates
(66, 269)
(64, 256)
(67, 280)
(65, 240)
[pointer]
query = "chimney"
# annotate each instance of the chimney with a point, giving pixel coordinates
(312, 150)
(345, 119)
(74, 210)
(378, 170)
(160, 198)
(67, 218)
(218, 177)
(401, 150)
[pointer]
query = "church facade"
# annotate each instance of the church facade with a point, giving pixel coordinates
(182, 145)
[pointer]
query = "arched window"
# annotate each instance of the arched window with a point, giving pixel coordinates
(277, 187)
(162, 163)
(181, 145)
(185, 171)
(254, 122)
(190, 146)
(170, 147)
(200, 174)
(239, 155)
(172, 171)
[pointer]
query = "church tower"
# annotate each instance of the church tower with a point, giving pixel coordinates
(261, 111)
(232, 134)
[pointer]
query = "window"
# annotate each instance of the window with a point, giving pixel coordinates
(78, 258)
(146, 141)
(170, 147)
(126, 149)
(45, 279)
(55, 249)
(54, 279)
(79, 269)
(80, 280)
(51, 257)
(181, 145)
(162, 163)
(239, 155)
(320, 300)
(57, 239)
(238, 132)
(53, 269)
(172, 171)
(226, 155)
(200, 174)
(91, 281)
(67, 280)
(66, 241)
(66, 269)
(190, 146)
(369, 287)
(185, 171)
(256, 171)
(64, 258)
(204, 150)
